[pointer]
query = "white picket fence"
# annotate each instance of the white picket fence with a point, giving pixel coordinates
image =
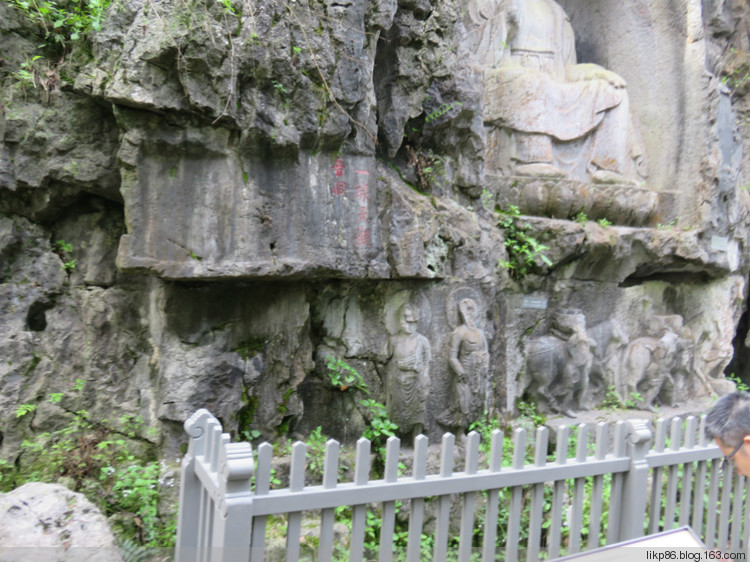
(614, 486)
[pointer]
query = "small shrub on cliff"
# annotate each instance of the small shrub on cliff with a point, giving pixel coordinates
(98, 458)
(523, 249)
(63, 22)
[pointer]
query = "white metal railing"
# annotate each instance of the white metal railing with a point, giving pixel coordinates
(613, 487)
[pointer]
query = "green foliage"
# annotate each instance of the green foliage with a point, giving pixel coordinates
(343, 376)
(739, 383)
(604, 222)
(97, 458)
(442, 110)
(613, 401)
(28, 72)
(530, 412)
(63, 22)
(64, 250)
(523, 249)
(380, 427)
(488, 200)
(581, 218)
(668, 226)
(250, 347)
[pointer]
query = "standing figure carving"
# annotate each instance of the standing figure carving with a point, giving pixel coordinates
(469, 363)
(558, 365)
(408, 379)
(547, 115)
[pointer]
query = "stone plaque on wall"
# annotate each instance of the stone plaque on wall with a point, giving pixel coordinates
(200, 214)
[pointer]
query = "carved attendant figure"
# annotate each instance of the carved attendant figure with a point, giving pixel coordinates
(550, 116)
(408, 375)
(469, 361)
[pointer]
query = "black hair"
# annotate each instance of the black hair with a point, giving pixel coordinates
(729, 419)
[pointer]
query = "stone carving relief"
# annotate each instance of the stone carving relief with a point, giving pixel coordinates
(572, 367)
(548, 116)
(407, 371)
(611, 342)
(650, 361)
(468, 360)
(558, 365)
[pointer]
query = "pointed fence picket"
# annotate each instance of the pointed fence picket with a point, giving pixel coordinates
(525, 505)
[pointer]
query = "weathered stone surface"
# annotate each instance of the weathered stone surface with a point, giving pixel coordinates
(201, 148)
(51, 523)
(621, 204)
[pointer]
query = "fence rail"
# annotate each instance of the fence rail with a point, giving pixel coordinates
(604, 486)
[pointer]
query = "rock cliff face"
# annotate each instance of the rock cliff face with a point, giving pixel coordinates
(203, 202)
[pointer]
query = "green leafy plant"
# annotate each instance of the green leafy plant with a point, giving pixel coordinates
(380, 427)
(612, 400)
(739, 383)
(529, 411)
(63, 22)
(488, 200)
(64, 250)
(343, 376)
(97, 458)
(581, 218)
(442, 110)
(604, 222)
(523, 249)
(23, 409)
(29, 71)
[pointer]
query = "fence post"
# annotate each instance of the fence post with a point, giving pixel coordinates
(186, 548)
(636, 481)
(233, 514)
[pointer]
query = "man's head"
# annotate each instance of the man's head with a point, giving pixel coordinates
(728, 423)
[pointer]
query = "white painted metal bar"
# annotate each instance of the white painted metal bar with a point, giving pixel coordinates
(576, 522)
(713, 503)
(359, 511)
(442, 520)
(328, 516)
(232, 516)
(619, 450)
(296, 484)
(516, 497)
(466, 533)
(416, 517)
(489, 546)
(389, 508)
(314, 497)
(537, 498)
(670, 504)
(191, 489)
(558, 494)
(597, 489)
(231, 532)
(722, 536)
(686, 490)
(737, 514)
(699, 490)
(657, 483)
(262, 487)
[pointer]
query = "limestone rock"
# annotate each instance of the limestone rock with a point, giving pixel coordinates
(48, 522)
